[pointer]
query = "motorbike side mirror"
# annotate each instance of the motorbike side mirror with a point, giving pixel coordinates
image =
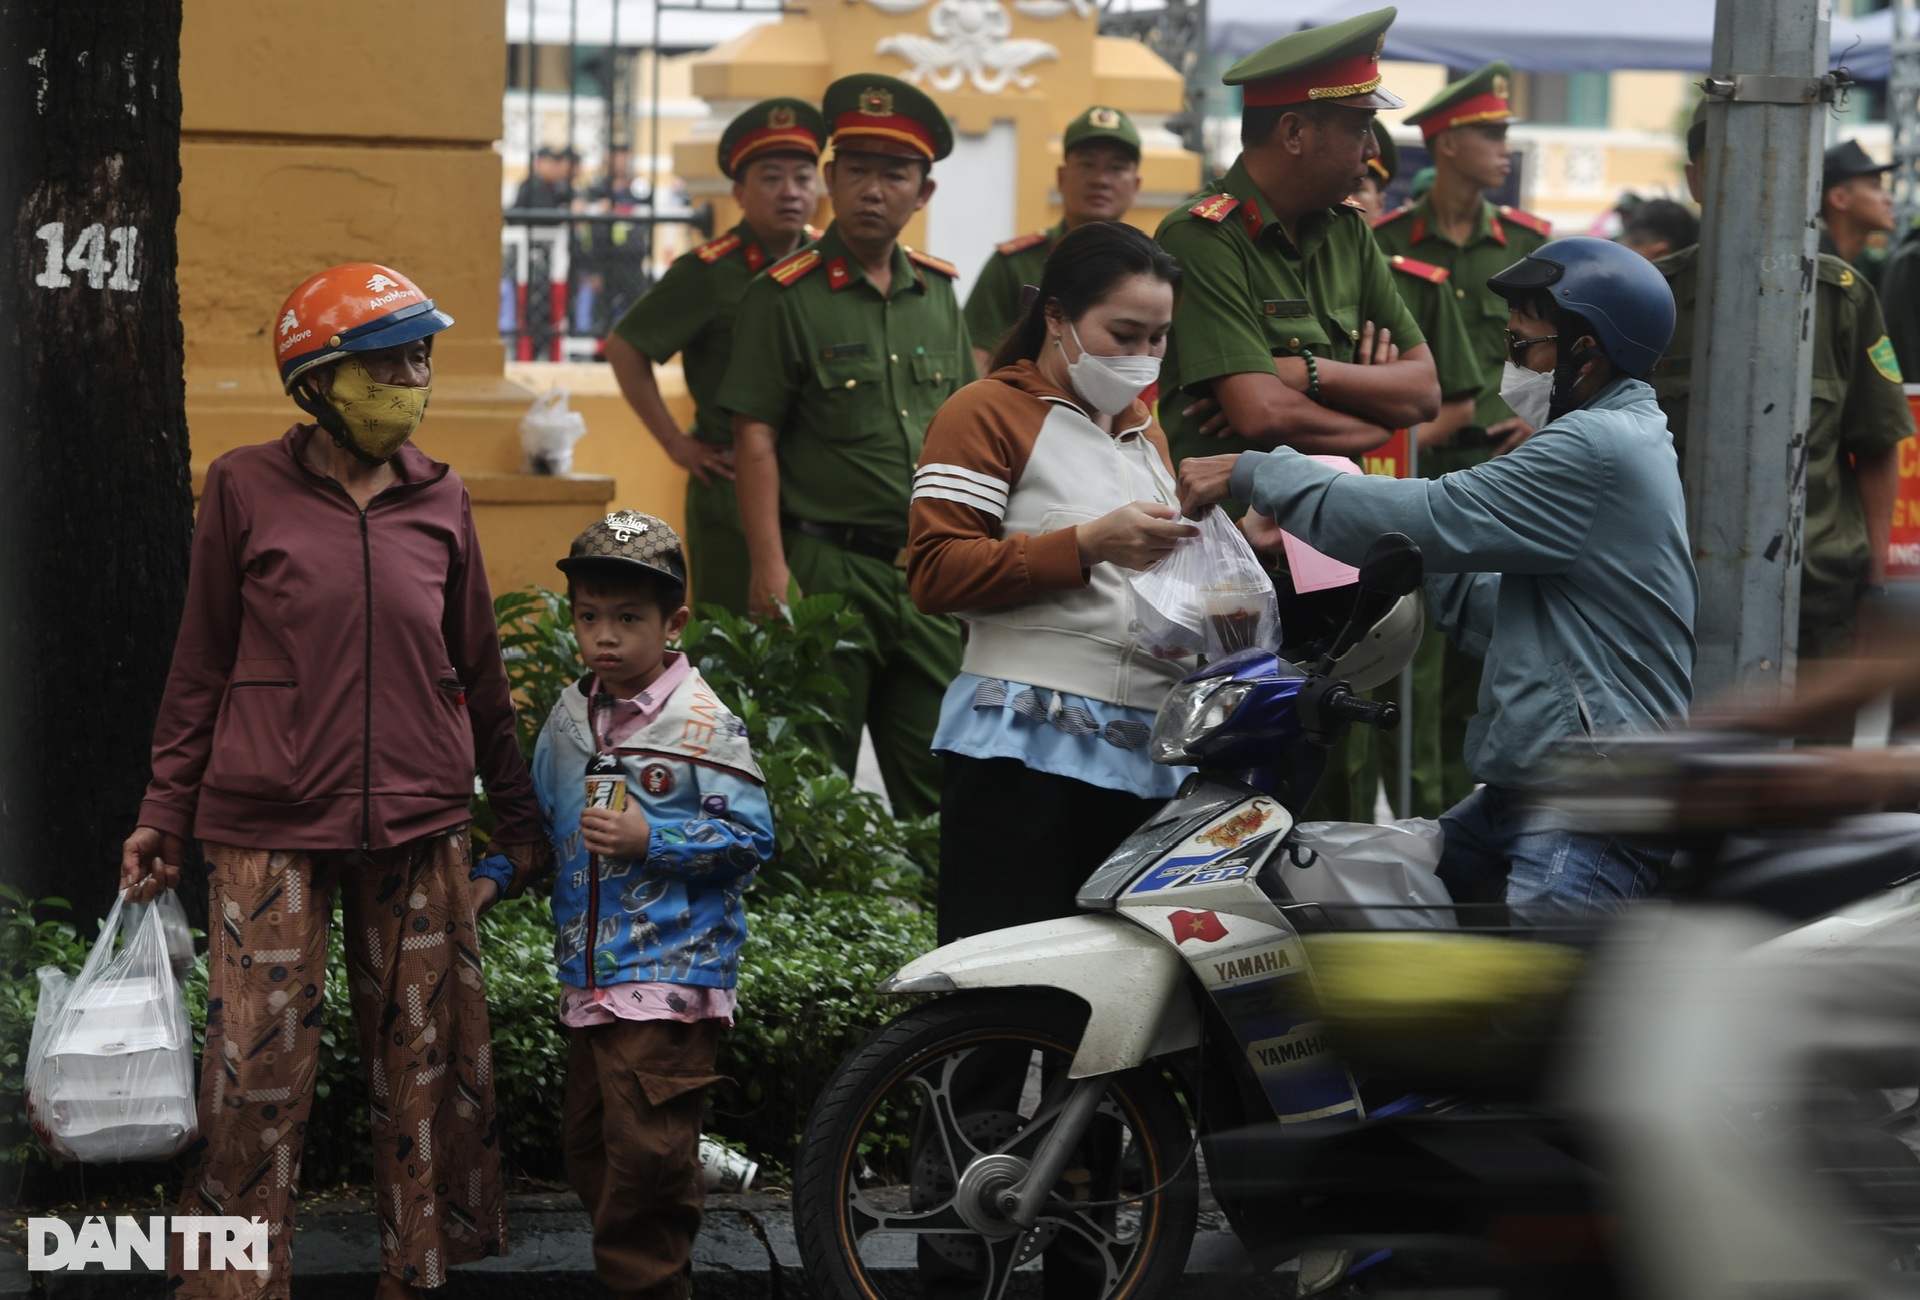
(1392, 569)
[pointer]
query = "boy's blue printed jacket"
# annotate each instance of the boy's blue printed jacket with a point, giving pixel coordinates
(675, 918)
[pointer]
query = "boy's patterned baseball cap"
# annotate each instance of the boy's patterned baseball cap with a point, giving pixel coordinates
(627, 540)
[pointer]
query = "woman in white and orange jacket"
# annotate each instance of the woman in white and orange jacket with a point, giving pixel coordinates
(1039, 488)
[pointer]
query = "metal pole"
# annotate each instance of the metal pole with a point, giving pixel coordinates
(1753, 339)
(1403, 806)
(533, 77)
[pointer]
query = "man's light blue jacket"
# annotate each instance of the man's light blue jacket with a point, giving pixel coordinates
(1564, 564)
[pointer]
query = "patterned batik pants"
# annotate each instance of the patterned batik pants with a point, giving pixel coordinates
(420, 1007)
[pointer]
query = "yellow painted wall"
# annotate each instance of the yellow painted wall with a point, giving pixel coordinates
(801, 53)
(357, 131)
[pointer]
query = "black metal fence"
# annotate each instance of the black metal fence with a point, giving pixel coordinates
(567, 277)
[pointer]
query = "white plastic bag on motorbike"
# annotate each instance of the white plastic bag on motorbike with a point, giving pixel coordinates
(110, 1066)
(1355, 863)
(548, 431)
(1208, 594)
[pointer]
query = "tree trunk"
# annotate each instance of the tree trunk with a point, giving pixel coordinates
(96, 505)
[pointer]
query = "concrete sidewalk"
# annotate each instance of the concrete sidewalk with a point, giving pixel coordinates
(746, 1252)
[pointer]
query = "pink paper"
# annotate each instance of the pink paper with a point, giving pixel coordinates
(1312, 570)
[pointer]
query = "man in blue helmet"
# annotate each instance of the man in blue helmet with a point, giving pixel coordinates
(1564, 564)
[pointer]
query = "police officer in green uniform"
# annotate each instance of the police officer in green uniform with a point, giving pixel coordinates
(1428, 292)
(1098, 179)
(1455, 228)
(772, 153)
(1858, 419)
(1855, 205)
(842, 353)
(1288, 317)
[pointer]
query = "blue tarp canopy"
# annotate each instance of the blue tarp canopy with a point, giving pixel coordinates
(1534, 35)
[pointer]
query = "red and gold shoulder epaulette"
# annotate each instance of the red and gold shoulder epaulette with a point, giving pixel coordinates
(1424, 270)
(715, 249)
(790, 268)
(933, 263)
(1021, 243)
(1349, 203)
(1538, 225)
(1216, 208)
(1394, 215)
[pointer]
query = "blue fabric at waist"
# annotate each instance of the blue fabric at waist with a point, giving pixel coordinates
(1102, 744)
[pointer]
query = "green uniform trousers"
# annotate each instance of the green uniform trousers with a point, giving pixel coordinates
(896, 676)
(716, 549)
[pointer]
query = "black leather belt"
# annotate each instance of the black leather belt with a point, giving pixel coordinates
(849, 539)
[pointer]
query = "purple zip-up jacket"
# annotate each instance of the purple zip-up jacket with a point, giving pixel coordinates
(337, 680)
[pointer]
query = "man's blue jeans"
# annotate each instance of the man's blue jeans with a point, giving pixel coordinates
(1552, 874)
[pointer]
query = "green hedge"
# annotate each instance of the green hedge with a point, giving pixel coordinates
(842, 906)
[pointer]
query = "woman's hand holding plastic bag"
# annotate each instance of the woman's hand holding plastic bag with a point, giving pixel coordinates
(1135, 536)
(1209, 594)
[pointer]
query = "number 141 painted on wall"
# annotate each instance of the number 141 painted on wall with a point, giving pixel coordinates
(89, 255)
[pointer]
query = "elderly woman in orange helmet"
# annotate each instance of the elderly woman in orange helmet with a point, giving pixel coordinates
(336, 685)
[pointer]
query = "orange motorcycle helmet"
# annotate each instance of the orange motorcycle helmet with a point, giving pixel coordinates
(355, 307)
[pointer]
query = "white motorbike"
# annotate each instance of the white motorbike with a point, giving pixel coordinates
(1053, 1094)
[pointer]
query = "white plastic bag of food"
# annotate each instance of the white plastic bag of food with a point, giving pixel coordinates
(1208, 594)
(548, 431)
(110, 1067)
(1391, 867)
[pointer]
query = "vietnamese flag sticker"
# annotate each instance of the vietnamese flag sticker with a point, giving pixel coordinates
(1204, 926)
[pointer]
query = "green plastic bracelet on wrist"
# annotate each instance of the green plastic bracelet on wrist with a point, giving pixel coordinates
(1313, 375)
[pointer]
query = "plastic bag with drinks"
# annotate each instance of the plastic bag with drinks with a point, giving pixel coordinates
(1208, 594)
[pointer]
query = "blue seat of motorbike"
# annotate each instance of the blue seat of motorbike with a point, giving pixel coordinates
(1803, 874)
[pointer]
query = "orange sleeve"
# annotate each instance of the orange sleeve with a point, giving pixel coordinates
(970, 466)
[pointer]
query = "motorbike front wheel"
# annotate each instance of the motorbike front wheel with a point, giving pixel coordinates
(928, 1121)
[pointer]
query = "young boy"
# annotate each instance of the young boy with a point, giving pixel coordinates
(646, 899)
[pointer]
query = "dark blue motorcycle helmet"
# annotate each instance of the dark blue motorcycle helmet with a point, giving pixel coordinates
(1617, 293)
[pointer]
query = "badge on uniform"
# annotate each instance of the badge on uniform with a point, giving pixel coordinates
(1286, 306)
(656, 778)
(844, 351)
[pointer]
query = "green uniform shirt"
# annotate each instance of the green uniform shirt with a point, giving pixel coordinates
(1501, 237)
(994, 305)
(1428, 292)
(849, 378)
(1249, 294)
(690, 311)
(1859, 409)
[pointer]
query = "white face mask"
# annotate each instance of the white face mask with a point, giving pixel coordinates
(1528, 392)
(1108, 384)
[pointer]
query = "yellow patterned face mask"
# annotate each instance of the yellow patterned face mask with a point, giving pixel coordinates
(378, 417)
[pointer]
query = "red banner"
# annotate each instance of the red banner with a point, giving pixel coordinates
(1903, 550)
(1390, 459)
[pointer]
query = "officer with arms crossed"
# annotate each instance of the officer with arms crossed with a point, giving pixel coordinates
(842, 354)
(1858, 418)
(1098, 180)
(1288, 317)
(1565, 563)
(772, 152)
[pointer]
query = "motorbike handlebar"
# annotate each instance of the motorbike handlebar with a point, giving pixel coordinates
(1345, 707)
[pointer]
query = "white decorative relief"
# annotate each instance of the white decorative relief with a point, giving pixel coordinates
(970, 40)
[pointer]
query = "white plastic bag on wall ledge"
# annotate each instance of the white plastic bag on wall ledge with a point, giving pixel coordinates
(548, 431)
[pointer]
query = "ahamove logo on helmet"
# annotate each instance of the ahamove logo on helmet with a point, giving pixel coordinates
(380, 284)
(289, 323)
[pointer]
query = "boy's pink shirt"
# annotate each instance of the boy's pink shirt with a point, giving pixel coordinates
(627, 716)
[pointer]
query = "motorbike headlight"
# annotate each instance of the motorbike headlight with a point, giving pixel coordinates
(1193, 712)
